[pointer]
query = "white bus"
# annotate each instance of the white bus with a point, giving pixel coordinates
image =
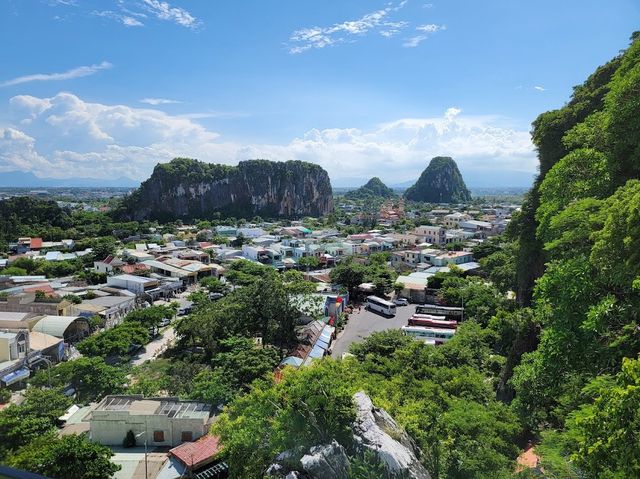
(381, 305)
(432, 335)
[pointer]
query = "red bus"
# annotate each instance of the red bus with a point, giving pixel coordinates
(432, 321)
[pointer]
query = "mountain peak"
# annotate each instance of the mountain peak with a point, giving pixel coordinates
(440, 182)
(374, 188)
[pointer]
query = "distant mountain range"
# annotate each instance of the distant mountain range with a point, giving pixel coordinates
(473, 179)
(20, 179)
(484, 179)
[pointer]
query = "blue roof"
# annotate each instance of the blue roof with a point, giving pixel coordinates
(317, 352)
(16, 376)
(292, 361)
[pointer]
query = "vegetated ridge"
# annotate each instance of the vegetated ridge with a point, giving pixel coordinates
(374, 188)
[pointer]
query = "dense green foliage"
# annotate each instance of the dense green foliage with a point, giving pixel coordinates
(578, 235)
(35, 417)
(440, 182)
(116, 341)
(27, 216)
(442, 396)
(92, 378)
(350, 273)
(266, 306)
(65, 457)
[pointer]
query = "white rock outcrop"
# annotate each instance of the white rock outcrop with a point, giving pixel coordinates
(376, 430)
(373, 430)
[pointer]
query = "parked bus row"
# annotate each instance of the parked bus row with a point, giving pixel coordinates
(431, 328)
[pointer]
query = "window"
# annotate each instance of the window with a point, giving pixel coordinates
(187, 436)
(158, 436)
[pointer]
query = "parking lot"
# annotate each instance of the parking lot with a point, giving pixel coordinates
(362, 324)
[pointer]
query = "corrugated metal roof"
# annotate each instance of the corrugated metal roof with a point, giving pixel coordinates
(55, 325)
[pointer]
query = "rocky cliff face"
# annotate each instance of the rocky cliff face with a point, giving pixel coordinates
(187, 189)
(375, 432)
(441, 182)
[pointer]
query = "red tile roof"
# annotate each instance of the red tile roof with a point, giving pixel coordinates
(45, 288)
(198, 453)
(134, 268)
(36, 243)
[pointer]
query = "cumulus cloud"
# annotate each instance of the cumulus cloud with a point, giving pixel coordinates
(68, 75)
(65, 136)
(320, 37)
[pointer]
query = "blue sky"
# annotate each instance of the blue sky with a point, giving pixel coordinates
(108, 88)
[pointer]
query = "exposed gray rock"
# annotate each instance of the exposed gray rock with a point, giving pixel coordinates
(187, 189)
(326, 462)
(376, 430)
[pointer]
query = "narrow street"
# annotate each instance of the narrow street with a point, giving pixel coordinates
(155, 347)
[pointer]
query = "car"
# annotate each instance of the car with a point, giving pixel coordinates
(184, 311)
(164, 322)
(401, 302)
(134, 348)
(215, 296)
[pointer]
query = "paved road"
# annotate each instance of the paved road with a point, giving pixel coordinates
(157, 345)
(362, 324)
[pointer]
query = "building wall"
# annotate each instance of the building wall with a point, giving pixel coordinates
(44, 309)
(110, 427)
(5, 349)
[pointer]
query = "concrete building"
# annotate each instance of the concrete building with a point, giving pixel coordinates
(431, 234)
(28, 303)
(162, 421)
(136, 284)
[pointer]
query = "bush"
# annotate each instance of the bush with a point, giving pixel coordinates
(129, 440)
(5, 395)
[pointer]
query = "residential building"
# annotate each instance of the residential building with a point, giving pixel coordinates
(109, 265)
(136, 284)
(453, 220)
(164, 421)
(431, 234)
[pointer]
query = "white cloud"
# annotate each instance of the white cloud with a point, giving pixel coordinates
(68, 75)
(164, 11)
(159, 101)
(131, 22)
(66, 136)
(126, 20)
(320, 37)
(135, 13)
(430, 28)
(426, 30)
(539, 88)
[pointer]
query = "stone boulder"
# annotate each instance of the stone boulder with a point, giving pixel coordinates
(376, 430)
(373, 430)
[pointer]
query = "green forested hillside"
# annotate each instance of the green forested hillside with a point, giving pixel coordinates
(578, 238)
(373, 189)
